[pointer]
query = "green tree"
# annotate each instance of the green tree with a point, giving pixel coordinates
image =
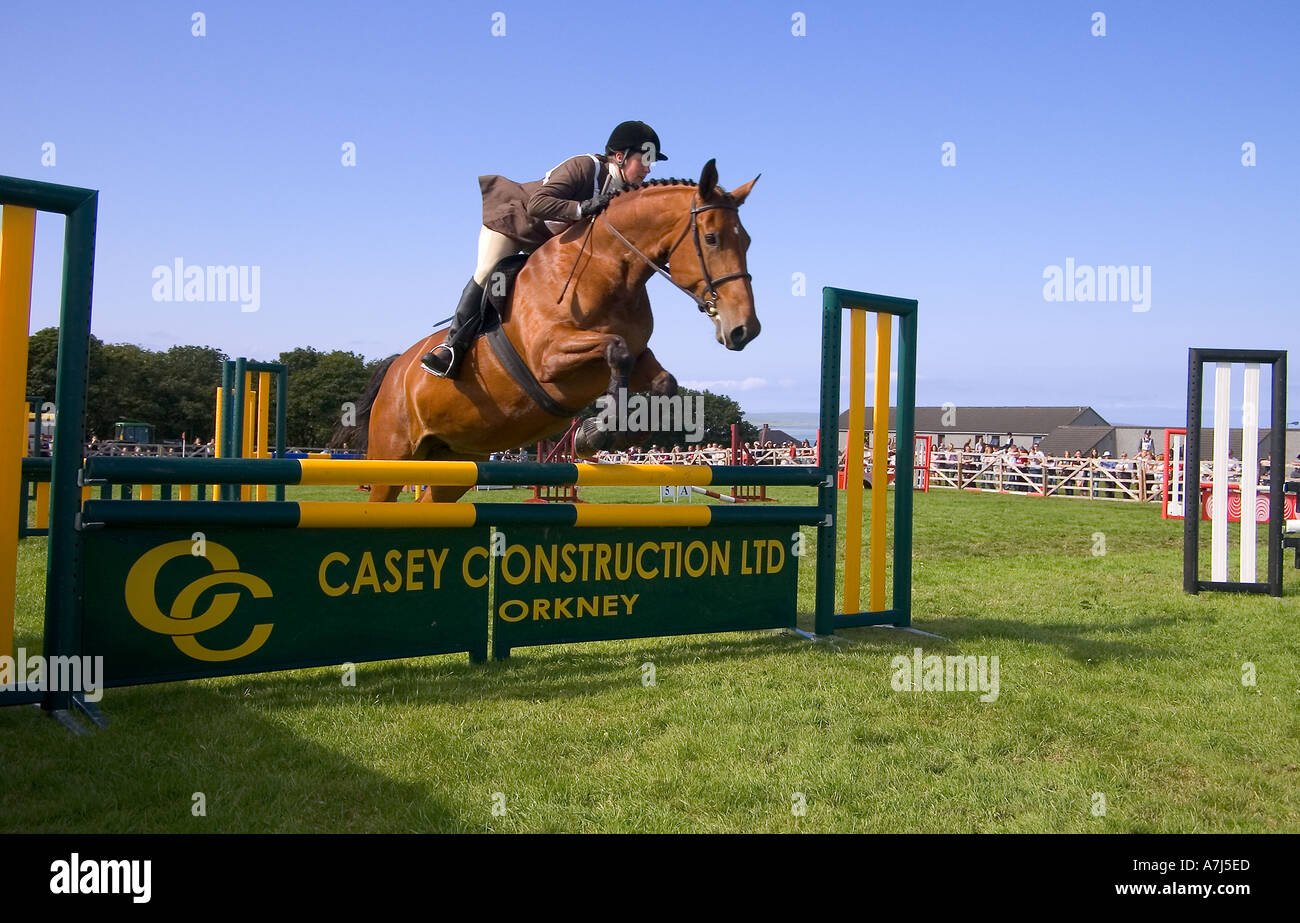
(319, 385)
(122, 385)
(187, 391)
(42, 362)
(173, 390)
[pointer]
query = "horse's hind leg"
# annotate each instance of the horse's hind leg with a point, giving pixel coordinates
(444, 493)
(391, 447)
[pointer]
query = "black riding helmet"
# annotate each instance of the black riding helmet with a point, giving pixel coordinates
(630, 136)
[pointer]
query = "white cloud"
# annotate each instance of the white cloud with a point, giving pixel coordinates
(726, 384)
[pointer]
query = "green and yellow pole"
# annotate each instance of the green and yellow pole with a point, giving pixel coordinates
(64, 576)
(880, 459)
(826, 619)
(263, 422)
(219, 430)
(250, 427)
(17, 247)
(853, 461)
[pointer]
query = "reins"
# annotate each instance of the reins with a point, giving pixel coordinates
(708, 305)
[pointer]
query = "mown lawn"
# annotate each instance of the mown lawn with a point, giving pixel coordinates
(1113, 684)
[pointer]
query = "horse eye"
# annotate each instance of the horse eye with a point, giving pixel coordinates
(711, 239)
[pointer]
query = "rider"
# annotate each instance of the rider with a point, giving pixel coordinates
(522, 216)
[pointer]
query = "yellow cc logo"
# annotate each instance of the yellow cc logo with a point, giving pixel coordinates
(180, 622)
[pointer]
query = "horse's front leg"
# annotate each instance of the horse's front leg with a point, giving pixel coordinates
(649, 375)
(594, 436)
(569, 349)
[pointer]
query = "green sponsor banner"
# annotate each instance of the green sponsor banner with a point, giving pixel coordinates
(560, 585)
(161, 605)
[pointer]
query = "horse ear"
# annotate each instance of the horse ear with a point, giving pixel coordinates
(708, 179)
(742, 193)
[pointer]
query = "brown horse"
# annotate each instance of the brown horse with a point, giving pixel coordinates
(580, 319)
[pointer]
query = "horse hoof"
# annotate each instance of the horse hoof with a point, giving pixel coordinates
(664, 384)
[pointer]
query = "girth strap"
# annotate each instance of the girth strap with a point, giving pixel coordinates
(509, 357)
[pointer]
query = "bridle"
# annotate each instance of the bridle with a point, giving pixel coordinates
(708, 305)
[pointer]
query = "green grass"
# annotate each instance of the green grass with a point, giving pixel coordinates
(1112, 681)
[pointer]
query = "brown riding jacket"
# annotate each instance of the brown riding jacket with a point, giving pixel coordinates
(530, 213)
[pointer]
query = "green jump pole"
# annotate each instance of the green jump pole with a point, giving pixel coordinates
(223, 440)
(827, 492)
(281, 415)
(64, 582)
(905, 428)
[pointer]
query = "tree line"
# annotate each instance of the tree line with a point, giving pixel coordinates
(175, 390)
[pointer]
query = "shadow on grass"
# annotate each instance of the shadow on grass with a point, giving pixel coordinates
(555, 671)
(170, 741)
(1077, 639)
(586, 670)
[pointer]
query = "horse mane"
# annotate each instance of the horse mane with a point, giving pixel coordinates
(666, 181)
(577, 231)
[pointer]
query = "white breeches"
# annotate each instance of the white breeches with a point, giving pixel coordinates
(492, 248)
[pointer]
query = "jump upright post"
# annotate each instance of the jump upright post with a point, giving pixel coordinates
(243, 416)
(1223, 361)
(21, 200)
(835, 302)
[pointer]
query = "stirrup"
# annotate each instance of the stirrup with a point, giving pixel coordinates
(429, 357)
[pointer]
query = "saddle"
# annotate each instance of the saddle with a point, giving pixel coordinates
(492, 309)
(496, 290)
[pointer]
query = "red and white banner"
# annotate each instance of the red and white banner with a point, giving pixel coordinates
(1234, 504)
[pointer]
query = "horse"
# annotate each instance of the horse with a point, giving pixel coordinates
(580, 320)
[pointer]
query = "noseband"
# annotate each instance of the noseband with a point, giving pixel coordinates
(708, 305)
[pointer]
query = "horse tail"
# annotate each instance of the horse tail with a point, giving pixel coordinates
(356, 438)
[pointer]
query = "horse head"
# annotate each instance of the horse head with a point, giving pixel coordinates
(709, 260)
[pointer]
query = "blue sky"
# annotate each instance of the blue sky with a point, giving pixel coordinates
(1122, 149)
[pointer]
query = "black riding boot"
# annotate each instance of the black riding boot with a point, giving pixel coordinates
(444, 359)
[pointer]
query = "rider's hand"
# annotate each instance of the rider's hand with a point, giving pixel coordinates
(593, 206)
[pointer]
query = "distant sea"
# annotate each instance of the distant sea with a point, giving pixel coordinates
(799, 425)
(800, 432)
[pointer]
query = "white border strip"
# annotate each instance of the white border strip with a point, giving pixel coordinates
(1222, 423)
(1249, 470)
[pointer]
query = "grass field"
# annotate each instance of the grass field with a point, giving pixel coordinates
(1113, 684)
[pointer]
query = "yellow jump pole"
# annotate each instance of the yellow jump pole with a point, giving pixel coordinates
(216, 426)
(17, 247)
(246, 438)
(880, 461)
(218, 432)
(250, 408)
(42, 520)
(853, 461)
(263, 422)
